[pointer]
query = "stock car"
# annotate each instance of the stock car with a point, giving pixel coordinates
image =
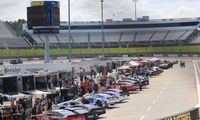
(119, 98)
(123, 94)
(59, 115)
(80, 110)
(99, 99)
(130, 86)
(164, 66)
(144, 80)
(93, 109)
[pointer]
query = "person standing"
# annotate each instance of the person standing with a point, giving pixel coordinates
(91, 74)
(81, 77)
(140, 84)
(95, 74)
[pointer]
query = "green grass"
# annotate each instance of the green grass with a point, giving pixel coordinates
(40, 52)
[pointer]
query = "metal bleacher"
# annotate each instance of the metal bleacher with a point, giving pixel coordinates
(127, 36)
(159, 35)
(119, 34)
(187, 33)
(174, 35)
(15, 42)
(112, 37)
(8, 40)
(4, 32)
(95, 37)
(80, 37)
(143, 36)
(196, 40)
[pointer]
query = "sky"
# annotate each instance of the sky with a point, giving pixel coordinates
(89, 10)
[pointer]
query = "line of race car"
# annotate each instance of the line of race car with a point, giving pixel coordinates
(92, 105)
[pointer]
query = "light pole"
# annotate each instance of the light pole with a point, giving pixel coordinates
(69, 33)
(102, 27)
(135, 3)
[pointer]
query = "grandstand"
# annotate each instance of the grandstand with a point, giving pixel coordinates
(163, 32)
(141, 37)
(8, 39)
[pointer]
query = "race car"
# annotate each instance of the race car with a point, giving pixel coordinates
(130, 86)
(79, 110)
(135, 84)
(123, 94)
(144, 80)
(116, 95)
(164, 66)
(93, 109)
(59, 115)
(99, 99)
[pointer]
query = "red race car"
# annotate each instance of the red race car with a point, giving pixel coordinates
(59, 115)
(128, 86)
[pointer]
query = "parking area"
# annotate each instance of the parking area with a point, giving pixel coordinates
(172, 92)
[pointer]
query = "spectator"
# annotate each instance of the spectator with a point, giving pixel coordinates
(91, 74)
(95, 74)
(81, 77)
(38, 109)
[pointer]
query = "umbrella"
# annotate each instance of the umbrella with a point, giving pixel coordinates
(135, 63)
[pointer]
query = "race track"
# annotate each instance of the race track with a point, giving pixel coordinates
(172, 92)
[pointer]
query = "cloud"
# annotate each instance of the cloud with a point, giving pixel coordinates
(90, 10)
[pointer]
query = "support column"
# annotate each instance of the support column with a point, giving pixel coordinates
(46, 51)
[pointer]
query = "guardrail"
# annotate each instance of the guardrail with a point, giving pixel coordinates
(197, 75)
(194, 113)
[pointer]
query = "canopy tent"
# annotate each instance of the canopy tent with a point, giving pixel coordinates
(125, 67)
(135, 63)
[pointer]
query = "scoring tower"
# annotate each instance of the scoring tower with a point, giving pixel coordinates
(43, 17)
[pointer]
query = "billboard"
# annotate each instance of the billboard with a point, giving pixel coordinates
(45, 3)
(41, 16)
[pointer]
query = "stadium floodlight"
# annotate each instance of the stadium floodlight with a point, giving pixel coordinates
(102, 28)
(69, 33)
(135, 4)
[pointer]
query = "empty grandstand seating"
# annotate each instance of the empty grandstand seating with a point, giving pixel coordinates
(4, 32)
(95, 37)
(8, 40)
(196, 40)
(159, 36)
(174, 35)
(112, 36)
(63, 38)
(14, 42)
(187, 33)
(124, 34)
(36, 38)
(143, 36)
(79, 37)
(127, 36)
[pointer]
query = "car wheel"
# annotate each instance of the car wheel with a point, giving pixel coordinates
(107, 106)
(99, 103)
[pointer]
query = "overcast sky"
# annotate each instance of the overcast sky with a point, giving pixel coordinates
(89, 10)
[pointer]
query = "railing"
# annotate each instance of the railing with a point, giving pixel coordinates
(197, 75)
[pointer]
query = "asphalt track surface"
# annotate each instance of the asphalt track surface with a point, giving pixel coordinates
(172, 92)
